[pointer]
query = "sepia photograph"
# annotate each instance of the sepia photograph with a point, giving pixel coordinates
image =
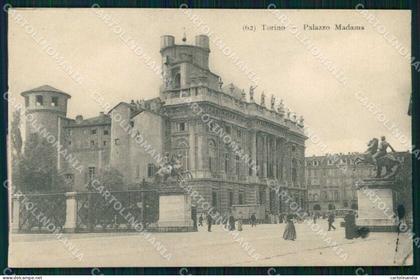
(209, 138)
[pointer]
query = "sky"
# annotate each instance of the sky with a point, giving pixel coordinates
(333, 112)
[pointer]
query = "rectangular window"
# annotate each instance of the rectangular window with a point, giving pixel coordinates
(238, 166)
(181, 126)
(262, 197)
(106, 132)
(150, 170)
(230, 198)
(227, 129)
(241, 198)
(93, 131)
(214, 199)
(92, 143)
(39, 100)
(54, 101)
(92, 173)
(132, 124)
(104, 143)
(226, 163)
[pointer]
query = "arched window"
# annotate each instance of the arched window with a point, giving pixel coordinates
(317, 207)
(177, 80)
(212, 156)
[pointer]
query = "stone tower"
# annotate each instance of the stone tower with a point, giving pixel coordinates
(45, 108)
(185, 65)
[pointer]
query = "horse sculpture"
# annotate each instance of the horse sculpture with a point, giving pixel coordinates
(172, 169)
(391, 164)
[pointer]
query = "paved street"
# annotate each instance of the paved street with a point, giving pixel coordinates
(216, 248)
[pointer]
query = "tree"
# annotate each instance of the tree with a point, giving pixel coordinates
(15, 135)
(38, 167)
(111, 178)
(16, 147)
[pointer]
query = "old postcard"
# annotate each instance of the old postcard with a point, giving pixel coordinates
(209, 137)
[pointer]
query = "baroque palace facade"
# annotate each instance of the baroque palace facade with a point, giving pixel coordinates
(270, 142)
(331, 180)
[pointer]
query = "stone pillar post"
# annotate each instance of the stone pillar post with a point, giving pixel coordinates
(71, 212)
(15, 213)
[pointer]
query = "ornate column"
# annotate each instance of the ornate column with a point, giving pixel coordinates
(265, 156)
(275, 156)
(253, 141)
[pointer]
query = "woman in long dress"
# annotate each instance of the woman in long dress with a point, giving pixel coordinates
(290, 231)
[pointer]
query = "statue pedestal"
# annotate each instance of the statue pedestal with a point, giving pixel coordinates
(377, 203)
(174, 211)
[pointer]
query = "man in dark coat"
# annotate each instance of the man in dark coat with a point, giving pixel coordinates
(253, 220)
(209, 222)
(350, 226)
(200, 220)
(331, 219)
(231, 222)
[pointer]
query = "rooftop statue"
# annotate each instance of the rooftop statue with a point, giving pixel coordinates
(377, 155)
(301, 121)
(262, 99)
(243, 94)
(251, 93)
(280, 108)
(273, 102)
(288, 113)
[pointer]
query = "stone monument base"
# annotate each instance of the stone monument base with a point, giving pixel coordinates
(174, 213)
(377, 201)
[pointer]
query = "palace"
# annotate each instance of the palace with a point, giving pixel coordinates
(332, 179)
(134, 137)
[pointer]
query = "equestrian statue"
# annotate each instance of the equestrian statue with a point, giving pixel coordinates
(172, 168)
(377, 155)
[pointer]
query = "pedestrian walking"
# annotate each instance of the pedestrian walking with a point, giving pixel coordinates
(240, 222)
(314, 217)
(231, 222)
(331, 219)
(290, 231)
(253, 220)
(209, 222)
(200, 220)
(226, 221)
